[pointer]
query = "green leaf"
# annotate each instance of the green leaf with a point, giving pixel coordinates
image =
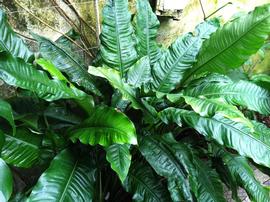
(21, 149)
(146, 28)
(171, 160)
(11, 43)
(65, 61)
(145, 186)
(18, 73)
(6, 182)
(262, 80)
(115, 80)
(226, 132)
(67, 179)
(243, 174)
(117, 44)
(231, 45)
(210, 107)
(139, 73)
(181, 55)
(243, 93)
(105, 126)
(6, 113)
(119, 158)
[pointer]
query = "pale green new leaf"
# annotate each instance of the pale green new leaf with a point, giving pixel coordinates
(145, 186)
(139, 73)
(21, 149)
(11, 43)
(181, 55)
(105, 126)
(16, 72)
(68, 179)
(6, 182)
(120, 159)
(231, 45)
(66, 62)
(146, 28)
(6, 113)
(117, 44)
(226, 132)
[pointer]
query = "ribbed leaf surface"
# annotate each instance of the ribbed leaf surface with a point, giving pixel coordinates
(105, 126)
(119, 158)
(146, 28)
(117, 44)
(231, 45)
(243, 93)
(66, 62)
(181, 55)
(18, 73)
(68, 179)
(145, 186)
(226, 132)
(11, 43)
(6, 182)
(21, 149)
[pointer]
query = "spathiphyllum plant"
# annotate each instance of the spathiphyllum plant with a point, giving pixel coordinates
(141, 123)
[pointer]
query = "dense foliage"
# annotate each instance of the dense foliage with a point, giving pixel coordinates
(144, 122)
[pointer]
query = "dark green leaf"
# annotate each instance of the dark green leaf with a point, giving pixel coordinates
(6, 182)
(6, 113)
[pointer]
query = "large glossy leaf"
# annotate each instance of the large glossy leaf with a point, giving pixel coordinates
(119, 158)
(226, 132)
(243, 174)
(146, 28)
(181, 55)
(66, 62)
(18, 73)
(139, 73)
(231, 45)
(6, 113)
(243, 93)
(169, 159)
(117, 44)
(68, 179)
(145, 186)
(11, 43)
(21, 149)
(6, 182)
(105, 126)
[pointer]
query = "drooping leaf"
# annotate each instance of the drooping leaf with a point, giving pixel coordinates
(119, 158)
(231, 45)
(67, 179)
(6, 113)
(146, 27)
(145, 186)
(21, 149)
(105, 126)
(243, 93)
(11, 43)
(169, 159)
(18, 73)
(117, 44)
(243, 174)
(226, 132)
(262, 80)
(6, 182)
(65, 61)
(210, 107)
(181, 55)
(139, 73)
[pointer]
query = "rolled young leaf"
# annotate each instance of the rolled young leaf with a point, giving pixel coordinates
(11, 43)
(6, 182)
(68, 179)
(105, 126)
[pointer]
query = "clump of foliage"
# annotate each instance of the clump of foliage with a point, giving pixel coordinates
(144, 122)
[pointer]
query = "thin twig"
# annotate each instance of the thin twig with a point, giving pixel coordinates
(204, 16)
(52, 28)
(26, 37)
(218, 10)
(97, 21)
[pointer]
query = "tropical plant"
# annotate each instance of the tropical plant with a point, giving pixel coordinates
(144, 122)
